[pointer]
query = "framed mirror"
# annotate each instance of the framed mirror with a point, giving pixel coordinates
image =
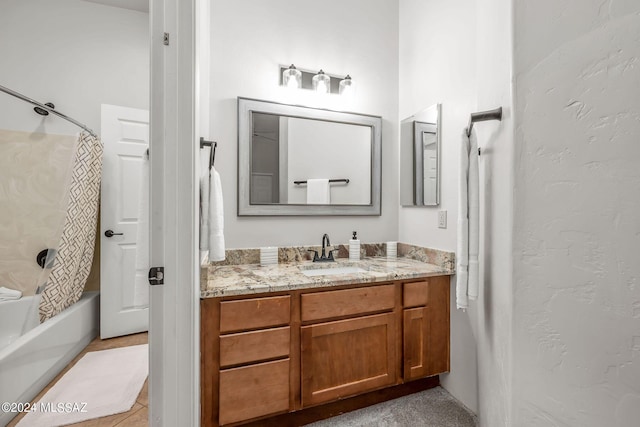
(295, 160)
(420, 137)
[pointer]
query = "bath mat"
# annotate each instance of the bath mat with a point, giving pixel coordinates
(101, 383)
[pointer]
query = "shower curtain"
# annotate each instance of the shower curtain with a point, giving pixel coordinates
(75, 253)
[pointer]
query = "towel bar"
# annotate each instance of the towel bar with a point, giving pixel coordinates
(345, 180)
(213, 145)
(484, 116)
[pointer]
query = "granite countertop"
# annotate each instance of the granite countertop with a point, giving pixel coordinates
(246, 279)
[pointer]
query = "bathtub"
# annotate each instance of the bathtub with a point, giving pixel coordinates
(29, 361)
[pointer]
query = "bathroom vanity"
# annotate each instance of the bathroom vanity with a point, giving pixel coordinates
(286, 337)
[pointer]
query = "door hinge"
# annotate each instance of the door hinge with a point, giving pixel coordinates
(165, 39)
(156, 276)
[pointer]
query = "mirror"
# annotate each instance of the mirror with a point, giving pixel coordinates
(295, 160)
(420, 158)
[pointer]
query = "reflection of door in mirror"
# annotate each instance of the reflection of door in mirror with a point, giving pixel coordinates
(265, 159)
(419, 158)
(430, 167)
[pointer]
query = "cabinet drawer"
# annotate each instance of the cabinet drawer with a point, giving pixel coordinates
(246, 347)
(346, 302)
(415, 294)
(254, 391)
(254, 313)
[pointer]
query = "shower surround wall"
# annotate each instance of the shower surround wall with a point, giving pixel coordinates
(576, 334)
(34, 189)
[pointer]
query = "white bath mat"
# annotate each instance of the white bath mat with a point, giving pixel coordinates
(101, 383)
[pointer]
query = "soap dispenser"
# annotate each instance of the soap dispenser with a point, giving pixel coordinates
(354, 248)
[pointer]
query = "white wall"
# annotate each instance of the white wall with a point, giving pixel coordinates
(75, 54)
(329, 150)
(250, 40)
(438, 64)
(494, 308)
(577, 302)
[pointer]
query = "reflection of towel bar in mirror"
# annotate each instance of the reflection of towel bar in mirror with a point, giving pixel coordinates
(345, 180)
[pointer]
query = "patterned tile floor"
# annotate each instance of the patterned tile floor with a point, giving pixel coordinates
(137, 416)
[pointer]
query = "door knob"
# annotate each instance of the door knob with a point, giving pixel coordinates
(110, 233)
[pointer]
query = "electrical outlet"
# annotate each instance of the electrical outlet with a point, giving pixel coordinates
(442, 219)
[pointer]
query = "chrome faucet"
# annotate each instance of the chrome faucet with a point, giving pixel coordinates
(324, 257)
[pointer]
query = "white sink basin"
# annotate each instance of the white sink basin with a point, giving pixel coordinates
(333, 271)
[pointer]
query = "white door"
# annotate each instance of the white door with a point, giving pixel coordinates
(124, 244)
(430, 164)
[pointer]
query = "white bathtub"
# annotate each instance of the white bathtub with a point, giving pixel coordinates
(30, 361)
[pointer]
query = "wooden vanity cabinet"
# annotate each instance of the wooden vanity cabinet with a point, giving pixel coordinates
(270, 355)
(246, 364)
(425, 332)
(350, 356)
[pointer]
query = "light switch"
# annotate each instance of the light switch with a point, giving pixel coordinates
(442, 219)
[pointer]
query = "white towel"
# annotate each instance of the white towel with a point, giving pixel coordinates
(462, 250)
(474, 218)
(204, 198)
(141, 283)
(318, 192)
(216, 218)
(468, 244)
(7, 294)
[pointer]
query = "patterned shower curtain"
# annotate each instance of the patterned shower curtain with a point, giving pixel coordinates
(75, 253)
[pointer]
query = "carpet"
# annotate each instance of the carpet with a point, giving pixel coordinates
(430, 408)
(101, 383)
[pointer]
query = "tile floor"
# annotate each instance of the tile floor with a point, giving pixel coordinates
(137, 415)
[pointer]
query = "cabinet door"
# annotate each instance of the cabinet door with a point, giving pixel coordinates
(254, 391)
(347, 357)
(416, 343)
(426, 334)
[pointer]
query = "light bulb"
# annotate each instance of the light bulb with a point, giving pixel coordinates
(346, 86)
(292, 84)
(321, 82)
(292, 78)
(321, 87)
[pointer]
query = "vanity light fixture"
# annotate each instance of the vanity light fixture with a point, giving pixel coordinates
(321, 82)
(292, 78)
(346, 86)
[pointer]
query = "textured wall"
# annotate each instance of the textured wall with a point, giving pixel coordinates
(250, 40)
(577, 213)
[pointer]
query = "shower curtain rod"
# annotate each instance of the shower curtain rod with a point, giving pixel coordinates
(45, 109)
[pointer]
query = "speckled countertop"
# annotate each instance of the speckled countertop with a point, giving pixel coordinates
(246, 279)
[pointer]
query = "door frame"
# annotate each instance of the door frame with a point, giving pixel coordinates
(174, 346)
